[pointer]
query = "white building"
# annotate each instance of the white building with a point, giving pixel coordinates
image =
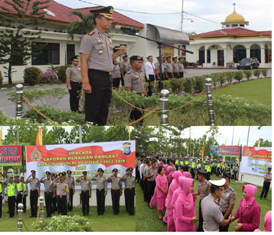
(231, 43)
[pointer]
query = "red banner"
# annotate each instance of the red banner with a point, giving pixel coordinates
(260, 154)
(10, 155)
(229, 151)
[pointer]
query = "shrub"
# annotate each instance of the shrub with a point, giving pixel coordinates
(229, 77)
(61, 72)
(32, 75)
(257, 73)
(214, 79)
(221, 78)
(200, 83)
(176, 85)
(185, 63)
(189, 84)
(48, 77)
(238, 76)
(247, 74)
(1, 78)
(264, 72)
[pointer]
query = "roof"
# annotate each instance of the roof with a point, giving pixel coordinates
(231, 32)
(63, 14)
(118, 18)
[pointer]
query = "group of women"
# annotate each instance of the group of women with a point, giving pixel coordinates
(173, 196)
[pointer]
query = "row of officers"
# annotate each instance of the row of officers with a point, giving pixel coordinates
(59, 191)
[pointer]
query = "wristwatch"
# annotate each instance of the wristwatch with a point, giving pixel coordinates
(118, 53)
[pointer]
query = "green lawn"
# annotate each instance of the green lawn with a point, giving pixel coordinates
(147, 219)
(255, 90)
(106, 223)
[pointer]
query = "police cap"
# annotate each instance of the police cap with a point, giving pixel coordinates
(48, 173)
(135, 57)
(33, 171)
(217, 183)
(201, 172)
(115, 170)
(101, 170)
(69, 172)
(174, 58)
(75, 58)
(130, 169)
(225, 175)
(105, 11)
(125, 56)
(84, 173)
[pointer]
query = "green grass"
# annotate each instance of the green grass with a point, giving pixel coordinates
(147, 219)
(106, 223)
(255, 90)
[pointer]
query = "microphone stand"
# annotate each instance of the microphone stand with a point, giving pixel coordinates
(160, 44)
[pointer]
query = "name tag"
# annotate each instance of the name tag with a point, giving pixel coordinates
(99, 43)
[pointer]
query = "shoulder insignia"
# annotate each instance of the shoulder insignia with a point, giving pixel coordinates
(90, 33)
(129, 71)
(232, 189)
(108, 35)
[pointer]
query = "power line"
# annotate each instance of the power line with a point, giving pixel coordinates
(150, 13)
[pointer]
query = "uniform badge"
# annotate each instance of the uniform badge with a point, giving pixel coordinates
(100, 34)
(110, 40)
(103, 46)
(100, 52)
(90, 33)
(227, 194)
(187, 204)
(127, 150)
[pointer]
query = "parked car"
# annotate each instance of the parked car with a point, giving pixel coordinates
(249, 63)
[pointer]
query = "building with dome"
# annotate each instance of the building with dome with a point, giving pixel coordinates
(231, 43)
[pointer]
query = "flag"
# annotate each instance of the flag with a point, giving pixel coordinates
(259, 142)
(212, 144)
(128, 129)
(39, 140)
(187, 149)
(223, 160)
(225, 141)
(202, 155)
(1, 143)
(239, 142)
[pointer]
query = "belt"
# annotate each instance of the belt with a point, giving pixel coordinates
(84, 191)
(130, 188)
(76, 82)
(48, 192)
(108, 73)
(99, 189)
(34, 190)
(60, 196)
(115, 190)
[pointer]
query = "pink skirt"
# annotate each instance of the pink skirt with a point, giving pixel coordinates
(161, 203)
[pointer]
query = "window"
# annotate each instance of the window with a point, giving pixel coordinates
(70, 52)
(208, 56)
(255, 51)
(239, 52)
(49, 54)
(181, 53)
(234, 25)
(201, 55)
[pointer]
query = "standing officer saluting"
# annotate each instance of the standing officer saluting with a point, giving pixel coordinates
(101, 191)
(12, 195)
(25, 193)
(116, 190)
(20, 189)
(48, 193)
(71, 184)
(62, 193)
(129, 190)
(74, 82)
(85, 193)
(34, 192)
(227, 201)
(97, 65)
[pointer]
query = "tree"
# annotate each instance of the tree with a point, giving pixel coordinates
(82, 26)
(15, 40)
(190, 33)
(263, 143)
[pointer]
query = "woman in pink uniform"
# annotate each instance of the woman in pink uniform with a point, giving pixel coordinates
(248, 211)
(169, 208)
(267, 223)
(185, 208)
(169, 173)
(162, 189)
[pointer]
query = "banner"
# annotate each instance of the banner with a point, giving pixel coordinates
(226, 151)
(256, 160)
(81, 157)
(11, 155)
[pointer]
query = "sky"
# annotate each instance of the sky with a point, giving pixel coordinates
(258, 13)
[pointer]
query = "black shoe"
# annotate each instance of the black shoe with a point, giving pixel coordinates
(260, 198)
(24, 211)
(265, 198)
(83, 215)
(164, 223)
(11, 216)
(31, 216)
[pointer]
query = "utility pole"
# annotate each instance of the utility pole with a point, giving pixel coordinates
(182, 15)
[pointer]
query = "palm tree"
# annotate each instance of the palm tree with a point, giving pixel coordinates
(84, 25)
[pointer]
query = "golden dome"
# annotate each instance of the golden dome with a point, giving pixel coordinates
(234, 17)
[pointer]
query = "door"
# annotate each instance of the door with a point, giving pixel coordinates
(220, 57)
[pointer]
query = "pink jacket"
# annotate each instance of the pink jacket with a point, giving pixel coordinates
(267, 223)
(162, 182)
(185, 208)
(188, 175)
(173, 186)
(249, 210)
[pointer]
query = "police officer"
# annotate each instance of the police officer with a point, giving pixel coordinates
(164, 71)
(203, 191)
(101, 190)
(151, 176)
(169, 68)
(97, 65)
(73, 79)
(219, 167)
(208, 170)
(54, 198)
(186, 164)
(137, 168)
(267, 182)
(62, 189)
(116, 190)
(175, 68)
(20, 189)
(227, 201)
(12, 195)
(181, 67)
(235, 170)
(25, 193)
(212, 212)
(193, 166)
(85, 192)
(34, 192)
(135, 81)
(48, 192)
(116, 74)
(157, 69)
(71, 184)
(129, 180)
(2, 195)
(124, 68)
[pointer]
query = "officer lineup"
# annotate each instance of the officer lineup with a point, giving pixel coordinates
(60, 189)
(168, 183)
(100, 72)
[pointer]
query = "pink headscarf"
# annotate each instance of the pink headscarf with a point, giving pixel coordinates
(187, 183)
(267, 223)
(181, 182)
(187, 174)
(165, 166)
(176, 175)
(168, 170)
(159, 164)
(250, 193)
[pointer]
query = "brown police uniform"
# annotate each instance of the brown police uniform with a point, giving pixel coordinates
(116, 75)
(151, 183)
(175, 69)
(181, 69)
(34, 186)
(204, 191)
(48, 193)
(101, 190)
(125, 66)
(129, 193)
(115, 193)
(157, 67)
(62, 196)
(85, 187)
(71, 184)
(169, 70)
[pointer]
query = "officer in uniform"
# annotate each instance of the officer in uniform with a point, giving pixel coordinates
(54, 198)
(208, 170)
(193, 166)
(101, 191)
(181, 67)
(97, 65)
(34, 192)
(25, 193)
(267, 182)
(62, 189)
(169, 68)
(71, 184)
(135, 81)
(137, 168)
(235, 170)
(12, 194)
(212, 212)
(85, 192)
(175, 68)
(164, 71)
(48, 192)
(157, 69)
(2, 195)
(116, 190)
(186, 164)
(203, 191)
(129, 180)
(116, 74)
(218, 169)
(20, 188)
(73, 79)
(227, 201)
(124, 68)
(151, 175)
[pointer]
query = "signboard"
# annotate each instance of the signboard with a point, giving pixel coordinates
(168, 51)
(11, 155)
(256, 160)
(81, 157)
(226, 151)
